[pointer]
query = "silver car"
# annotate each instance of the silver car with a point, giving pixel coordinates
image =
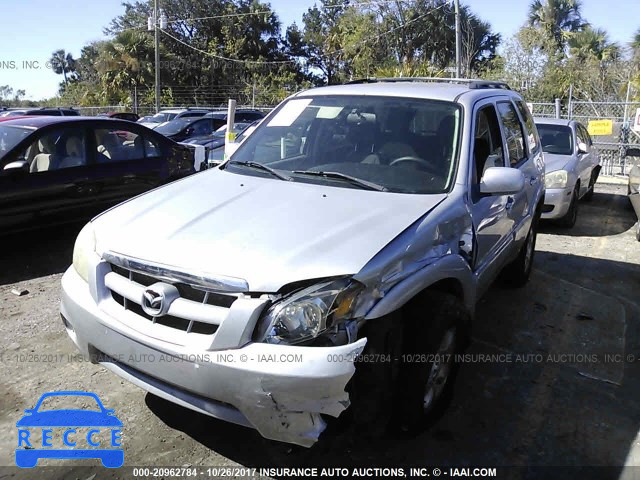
(352, 232)
(572, 168)
(634, 188)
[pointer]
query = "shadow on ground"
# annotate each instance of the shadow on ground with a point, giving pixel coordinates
(554, 401)
(607, 214)
(37, 253)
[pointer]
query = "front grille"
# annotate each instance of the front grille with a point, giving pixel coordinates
(547, 208)
(189, 297)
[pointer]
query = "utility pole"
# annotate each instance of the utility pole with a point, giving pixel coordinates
(155, 22)
(157, 42)
(458, 40)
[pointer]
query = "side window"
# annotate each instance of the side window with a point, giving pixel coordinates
(152, 148)
(56, 150)
(202, 127)
(583, 135)
(487, 144)
(118, 145)
(532, 133)
(512, 132)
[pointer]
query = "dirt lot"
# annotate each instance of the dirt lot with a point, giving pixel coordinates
(563, 392)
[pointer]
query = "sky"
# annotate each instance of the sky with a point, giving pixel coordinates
(70, 24)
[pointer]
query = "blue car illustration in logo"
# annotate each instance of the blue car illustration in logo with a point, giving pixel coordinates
(27, 455)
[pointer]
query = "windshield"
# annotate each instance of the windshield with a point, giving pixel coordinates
(10, 136)
(174, 126)
(400, 144)
(556, 139)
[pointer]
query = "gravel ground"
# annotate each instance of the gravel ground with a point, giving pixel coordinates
(546, 381)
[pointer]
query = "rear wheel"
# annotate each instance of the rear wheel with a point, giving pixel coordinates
(517, 273)
(569, 219)
(592, 185)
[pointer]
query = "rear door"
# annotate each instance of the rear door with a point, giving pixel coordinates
(54, 188)
(125, 161)
(524, 153)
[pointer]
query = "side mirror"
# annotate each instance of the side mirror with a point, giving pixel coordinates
(582, 148)
(17, 166)
(501, 181)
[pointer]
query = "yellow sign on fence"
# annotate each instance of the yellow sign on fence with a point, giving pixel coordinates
(600, 127)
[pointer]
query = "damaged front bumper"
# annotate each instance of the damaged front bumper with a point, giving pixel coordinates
(278, 390)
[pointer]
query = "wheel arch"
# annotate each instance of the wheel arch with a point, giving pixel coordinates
(451, 274)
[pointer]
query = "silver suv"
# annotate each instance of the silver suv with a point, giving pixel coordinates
(352, 232)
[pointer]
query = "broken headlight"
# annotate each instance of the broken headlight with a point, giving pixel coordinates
(308, 313)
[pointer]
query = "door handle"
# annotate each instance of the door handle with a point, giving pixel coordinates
(510, 203)
(533, 180)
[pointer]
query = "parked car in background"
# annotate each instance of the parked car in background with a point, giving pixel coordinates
(186, 127)
(356, 219)
(129, 116)
(215, 148)
(212, 140)
(58, 169)
(49, 111)
(572, 168)
(242, 115)
(165, 116)
(633, 187)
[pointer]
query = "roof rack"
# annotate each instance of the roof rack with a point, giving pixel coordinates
(472, 83)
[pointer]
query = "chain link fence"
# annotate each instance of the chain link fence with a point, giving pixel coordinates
(612, 147)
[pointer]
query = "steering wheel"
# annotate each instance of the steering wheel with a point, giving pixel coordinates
(409, 158)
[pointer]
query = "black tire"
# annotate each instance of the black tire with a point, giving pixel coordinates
(517, 273)
(592, 185)
(438, 324)
(569, 219)
(371, 389)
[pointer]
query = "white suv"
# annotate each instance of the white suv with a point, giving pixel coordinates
(358, 224)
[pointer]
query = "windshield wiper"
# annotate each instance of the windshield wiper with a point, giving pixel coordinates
(344, 176)
(259, 166)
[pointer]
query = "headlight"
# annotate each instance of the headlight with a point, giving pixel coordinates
(557, 179)
(85, 245)
(309, 312)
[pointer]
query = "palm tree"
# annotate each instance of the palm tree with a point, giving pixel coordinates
(593, 43)
(557, 19)
(62, 63)
(126, 61)
(635, 43)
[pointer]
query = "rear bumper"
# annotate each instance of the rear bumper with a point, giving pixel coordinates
(556, 203)
(279, 390)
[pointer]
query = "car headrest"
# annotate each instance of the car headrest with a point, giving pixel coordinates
(74, 147)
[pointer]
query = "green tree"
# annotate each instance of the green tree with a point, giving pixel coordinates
(593, 43)
(62, 63)
(557, 19)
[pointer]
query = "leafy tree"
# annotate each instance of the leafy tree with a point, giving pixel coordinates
(62, 63)
(593, 43)
(557, 19)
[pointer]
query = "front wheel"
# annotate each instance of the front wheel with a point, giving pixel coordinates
(569, 219)
(435, 333)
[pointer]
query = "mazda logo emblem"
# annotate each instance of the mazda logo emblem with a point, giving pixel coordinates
(153, 302)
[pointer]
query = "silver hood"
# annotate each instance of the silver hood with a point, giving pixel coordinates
(553, 162)
(265, 231)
